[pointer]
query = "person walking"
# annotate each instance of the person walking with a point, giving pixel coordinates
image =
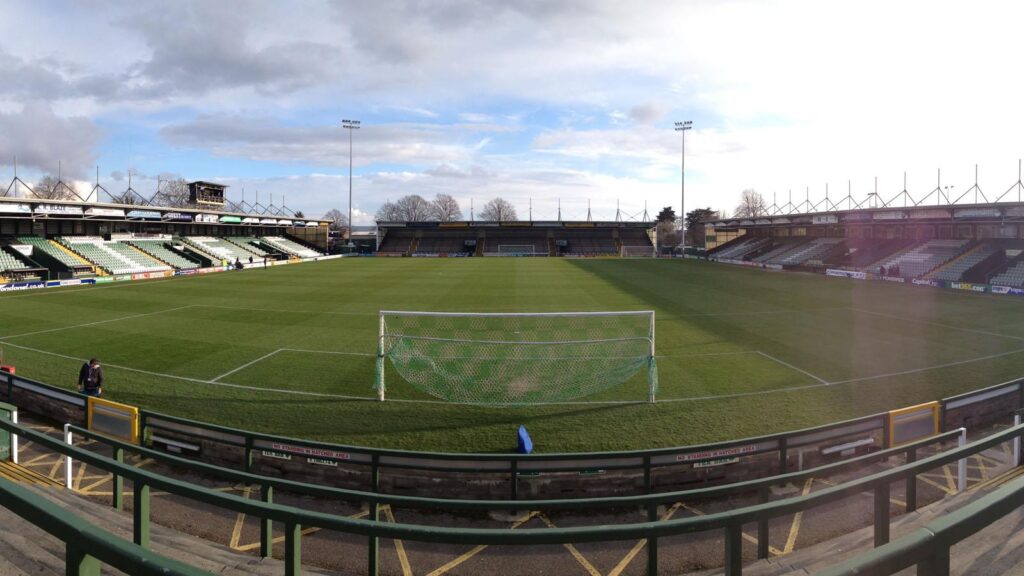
(90, 378)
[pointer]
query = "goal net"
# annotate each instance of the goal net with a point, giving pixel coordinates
(517, 358)
(638, 251)
(516, 250)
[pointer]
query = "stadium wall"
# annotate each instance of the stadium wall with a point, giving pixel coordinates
(512, 476)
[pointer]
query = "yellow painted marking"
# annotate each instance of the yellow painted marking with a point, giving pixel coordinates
(78, 478)
(36, 459)
(573, 550)
(926, 480)
(898, 502)
(994, 461)
(476, 550)
(144, 462)
(947, 470)
(22, 446)
(628, 558)
(236, 532)
(279, 539)
(103, 479)
(981, 465)
(794, 528)
(403, 559)
(22, 475)
(56, 468)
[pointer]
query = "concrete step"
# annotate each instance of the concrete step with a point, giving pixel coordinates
(165, 541)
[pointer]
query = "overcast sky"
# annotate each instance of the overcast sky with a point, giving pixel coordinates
(526, 100)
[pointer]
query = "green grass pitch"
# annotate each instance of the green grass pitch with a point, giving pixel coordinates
(741, 352)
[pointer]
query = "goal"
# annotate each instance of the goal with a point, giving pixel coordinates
(517, 358)
(516, 250)
(638, 251)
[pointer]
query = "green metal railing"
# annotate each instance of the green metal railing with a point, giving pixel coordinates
(295, 519)
(928, 547)
(649, 501)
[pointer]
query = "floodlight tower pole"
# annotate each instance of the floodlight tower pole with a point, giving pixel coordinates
(682, 127)
(350, 125)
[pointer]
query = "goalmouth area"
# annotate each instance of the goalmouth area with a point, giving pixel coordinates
(292, 350)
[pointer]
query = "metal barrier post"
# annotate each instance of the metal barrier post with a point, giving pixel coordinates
(652, 543)
(936, 564)
(762, 526)
(961, 465)
(373, 553)
(117, 482)
(881, 514)
(67, 459)
(292, 549)
(734, 550)
(911, 482)
(266, 524)
(1017, 441)
(78, 563)
(14, 438)
(140, 512)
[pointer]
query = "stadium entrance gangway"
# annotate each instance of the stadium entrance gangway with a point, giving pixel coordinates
(296, 519)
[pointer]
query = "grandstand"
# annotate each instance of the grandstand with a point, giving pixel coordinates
(222, 248)
(948, 244)
(288, 246)
(112, 256)
(514, 238)
(159, 249)
(925, 257)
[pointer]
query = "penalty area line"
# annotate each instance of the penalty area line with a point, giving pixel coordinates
(791, 367)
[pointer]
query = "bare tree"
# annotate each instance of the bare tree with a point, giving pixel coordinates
(388, 212)
(414, 208)
(50, 188)
(498, 210)
(446, 208)
(668, 234)
(172, 193)
(339, 220)
(752, 204)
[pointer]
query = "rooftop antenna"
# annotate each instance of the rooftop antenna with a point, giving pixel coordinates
(588, 209)
(531, 209)
(902, 193)
(646, 216)
(1018, 186)
(618, 212)
(975, 188)
(471, 209)
(98, 187)
(559, 209)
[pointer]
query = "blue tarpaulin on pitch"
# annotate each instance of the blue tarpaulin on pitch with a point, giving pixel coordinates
(525, 444)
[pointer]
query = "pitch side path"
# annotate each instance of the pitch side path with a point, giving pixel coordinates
(740, 352)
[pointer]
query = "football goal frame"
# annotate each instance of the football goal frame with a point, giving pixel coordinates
(516, 358)
(637, 252)
(517, 250)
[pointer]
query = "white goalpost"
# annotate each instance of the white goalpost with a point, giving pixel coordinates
(638, 251)
(516, 358)
(516, 250)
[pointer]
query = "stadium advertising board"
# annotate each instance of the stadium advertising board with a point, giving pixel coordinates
(22, 286)
(15, 209)
(178, 217)
(976, 213)
(55, 210)
(923, 282)
(55, 283)
(717, 453)
(890, 215)
(105, 212)
(968, 286)
(855, 274)
(144, 214)
(122, 277)
(897, 279)
(311, 452)
(103, 280)
(716, 462)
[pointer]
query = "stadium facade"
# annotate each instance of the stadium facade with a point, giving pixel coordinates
(977, 247)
